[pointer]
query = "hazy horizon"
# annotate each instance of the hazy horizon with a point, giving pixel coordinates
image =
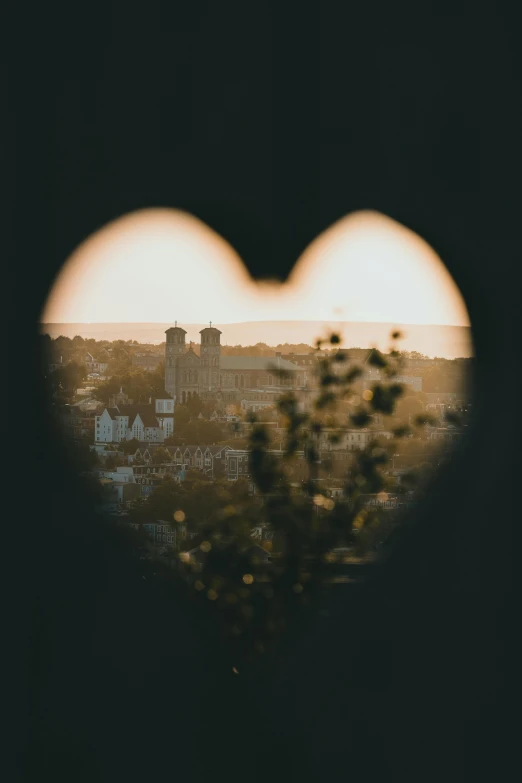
(430, 339)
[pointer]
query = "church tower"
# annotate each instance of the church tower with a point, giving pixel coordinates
(210, 355)
(174, 350)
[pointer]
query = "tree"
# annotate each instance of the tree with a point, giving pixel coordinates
(130, 446)
(138, 384)
(181, 415)
(194, 406)
(65, 380)
(198, 432)
(208, 409)
(161, 456)
(167, 498)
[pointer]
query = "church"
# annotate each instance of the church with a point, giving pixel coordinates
(210, 375)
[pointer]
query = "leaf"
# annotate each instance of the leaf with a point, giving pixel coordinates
(327, 398)
(402, 431)
(453, 418)
(353, 374)
(360, 419)
(328, 379)
(424, 418)
(376, 359)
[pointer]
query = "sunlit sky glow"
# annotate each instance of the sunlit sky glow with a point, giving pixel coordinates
(161, 265)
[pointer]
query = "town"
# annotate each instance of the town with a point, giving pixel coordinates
(171, 425)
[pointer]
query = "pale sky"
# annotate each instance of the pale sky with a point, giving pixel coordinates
(162, 265)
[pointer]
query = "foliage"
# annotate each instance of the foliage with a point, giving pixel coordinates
(64, 381)
(196, 432)
(138, 384)
(160, 456)
(196, 406)
(130, 446)
(255, 595)
(181, 415)
(196, 497)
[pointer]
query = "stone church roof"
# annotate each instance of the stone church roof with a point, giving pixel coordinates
(257, 363)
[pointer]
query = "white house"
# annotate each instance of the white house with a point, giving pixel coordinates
(152, 423)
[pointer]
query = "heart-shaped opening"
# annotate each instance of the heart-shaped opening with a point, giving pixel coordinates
(267, 453)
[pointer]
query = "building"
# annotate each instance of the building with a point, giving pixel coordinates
(78, 423)
(413, 381)
(147, 360)
(237, 464)
(93, 365)
(117, 493)
(147, 423)
(209, 459)
(120, 398)
(382, 500)
(336, 463)
(166, 534)
(261, 372)
(330, 439)
(253, 400)
(212, 376)
(449, 433)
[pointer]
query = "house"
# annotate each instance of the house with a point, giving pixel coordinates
(93, 365)
(208, 459)
(336, 463)
(147, 360)
(449, 433)
(117, 493)
(337, 439)
(382, 500)
(141, 455)
(151, 423)
(262, 533)
(148, 477)
(120, 398)
(237, 464)
(77, 423)
(119, 475)
(336, 493)
(166, 534)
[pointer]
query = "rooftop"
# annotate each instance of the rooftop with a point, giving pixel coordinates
(257, 363)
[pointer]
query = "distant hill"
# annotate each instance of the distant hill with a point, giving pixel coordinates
(445, 341)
